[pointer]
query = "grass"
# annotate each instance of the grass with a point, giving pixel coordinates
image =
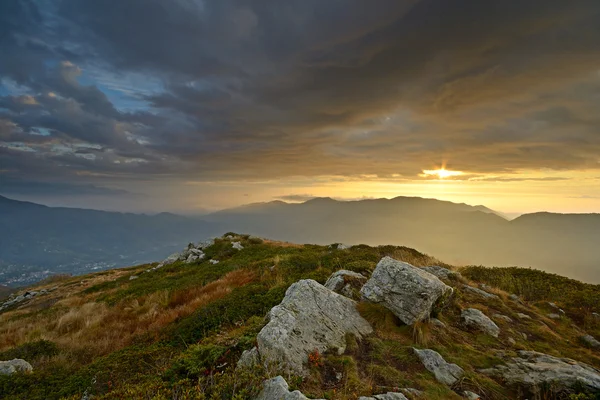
(177, 332)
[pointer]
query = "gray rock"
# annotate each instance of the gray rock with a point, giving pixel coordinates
(523, 316)
(341, 246)
(503, 317)
(278, 389)
(133, 277)
(310, 317)
(533, 370)
(512, 341)
(479, 292)
(205, 244)
(213, 261)
(437, 323)
(192, 258)
(346, 283)
(553, 316)
(412, 392)
(595, 315)
(443, 371)
(385, 396)
(169, 260)
(516, 298)
(14, 366)
(441, 272)
(249, 358)
(590, 341)
(409, 292)
(473, 318)
(471, 395)
(237, 245)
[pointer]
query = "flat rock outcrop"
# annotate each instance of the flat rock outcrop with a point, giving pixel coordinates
(409, 292)
(14, 366)
(346, 283)
(533, 370)
(475, 319)
(278, 389)
(443, 371)
(310, 317)
(480, 292)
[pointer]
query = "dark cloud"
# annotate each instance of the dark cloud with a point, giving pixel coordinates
(29, 188)
(274, 89)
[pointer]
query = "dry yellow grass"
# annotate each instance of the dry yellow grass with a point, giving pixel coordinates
(93, 328)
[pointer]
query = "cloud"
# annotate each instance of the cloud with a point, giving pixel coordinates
(28, 188)
(241, 90)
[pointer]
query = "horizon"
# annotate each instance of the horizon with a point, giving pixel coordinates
(506, 215)
(196, 106)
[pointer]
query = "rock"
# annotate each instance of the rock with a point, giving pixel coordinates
(590, 341)
(479, 292)
(169, 260)
(504, 318)
(237, 245)
(473, 318)
(386, 396)
(512, 341)
(310, 317)
(437, 323)
(444, 372)
(595, 315)
(14, 366)
(516, 298)
(213, 262)
(523, 316)
(553, 316)
(133, 277)
(341, 246)
(471, 395)
(191, 258)
(524, 335)
(346, 283)
(412, 392)
(249, 358)
(278, 389)
(205, 244)
(533, 370)
(197, 252)
(409, 292)
(441, 272)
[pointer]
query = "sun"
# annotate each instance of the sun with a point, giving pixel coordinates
(441, 173)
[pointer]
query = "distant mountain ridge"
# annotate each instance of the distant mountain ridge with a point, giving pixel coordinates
(37, 240)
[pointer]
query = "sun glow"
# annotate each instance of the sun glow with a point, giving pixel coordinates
(441, 173)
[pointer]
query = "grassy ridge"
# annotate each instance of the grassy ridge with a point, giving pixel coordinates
(177, 332)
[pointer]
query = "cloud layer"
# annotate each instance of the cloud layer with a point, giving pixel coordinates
(105, 93)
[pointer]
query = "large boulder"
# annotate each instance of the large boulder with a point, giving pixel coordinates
(475, 319)
(278, 389)
(443, 371)
(533, 370)
(346, 283)
(13, 366)
(409, 292)
(310, 318)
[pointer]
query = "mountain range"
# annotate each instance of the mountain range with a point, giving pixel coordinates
(36, 241)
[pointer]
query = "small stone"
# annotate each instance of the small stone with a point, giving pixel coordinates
(213, 261)
(14, 366)
(512, 341)
(385, 396)
(590, 341)
(346, 283)
(480, 292)
(504, 318)
(473, 318)
(523, 316)
(443, 371)
(471, 395)
(237, 245)
(553, 316)
(133, 277)
(437, 323)
(441, 272)
(278, 389)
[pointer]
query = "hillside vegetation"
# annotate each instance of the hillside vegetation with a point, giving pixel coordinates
(177, 332)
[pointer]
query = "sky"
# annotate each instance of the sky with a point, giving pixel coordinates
(195, 105)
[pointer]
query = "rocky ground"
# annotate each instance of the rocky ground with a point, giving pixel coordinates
(245, 318)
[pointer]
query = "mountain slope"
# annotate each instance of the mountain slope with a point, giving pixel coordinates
(178, 331)
(36, 238)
